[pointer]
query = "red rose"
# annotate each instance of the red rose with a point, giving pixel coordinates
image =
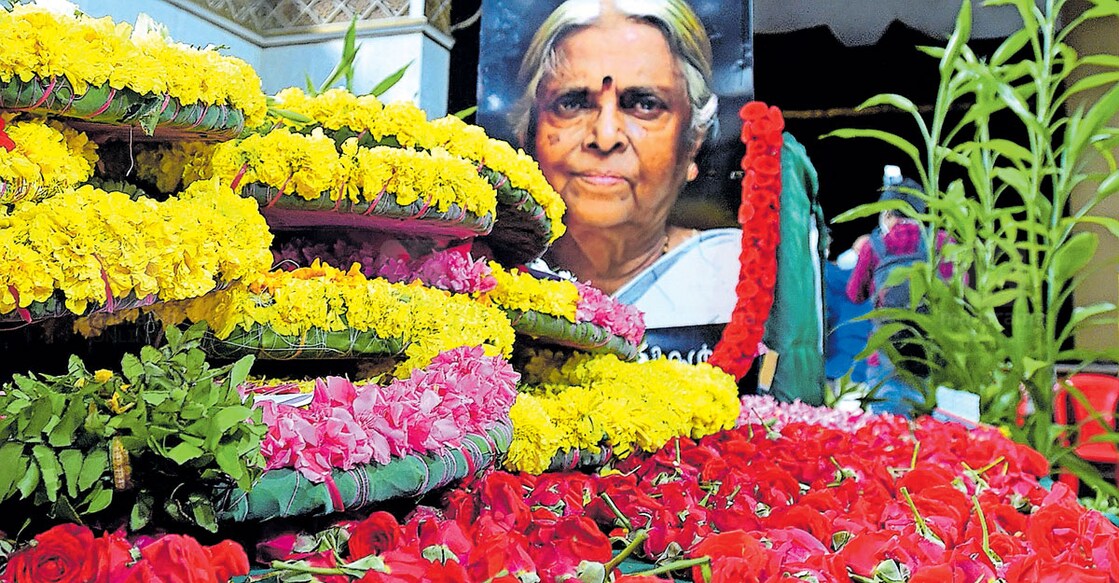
(730, 570)
(59, 555)
(1036, 569)
(865, 551)
(178, 559)
(375, 535)
(574, 539)
(497, 549)
(228, 560)
(432, 532)
(142, 572)
(400, 567)
(503, 495)
(112, 553)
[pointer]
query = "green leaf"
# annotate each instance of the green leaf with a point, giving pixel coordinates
(892, 99)
(298, 118)
(71, 460)
(41, 414)
(149, 119)
(1109, 186)
(1094, 81)
(1112, 225)
(464, 113)
(388, 82)
(93, 467)
(1009, 149)
(240, 371)
(99, 499)
(155, 398)
(131, 367)
(184, 452)
(65, 510)
(62, 435)
(203, 511)
(1010, 47)
(892, 139)
(230, 463)
(141, 514)
(50, 469)
(346, 62)
(958, 40)
(30, 480)
(1073, 256)
(229, 417)
(11, 467)
(150, 354)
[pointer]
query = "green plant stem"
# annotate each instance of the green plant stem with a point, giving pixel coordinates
(617, 512)
(638, 538)
(296, 567)
(674, 566)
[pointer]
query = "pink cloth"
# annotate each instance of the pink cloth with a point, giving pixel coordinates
(902, 239)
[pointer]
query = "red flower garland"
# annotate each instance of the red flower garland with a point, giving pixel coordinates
(759, 215)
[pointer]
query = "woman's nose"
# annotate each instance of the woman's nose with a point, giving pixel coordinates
(606, 133)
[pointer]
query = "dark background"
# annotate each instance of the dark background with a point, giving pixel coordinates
(817, 82)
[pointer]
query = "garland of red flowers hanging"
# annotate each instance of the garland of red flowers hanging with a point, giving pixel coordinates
(759, 215)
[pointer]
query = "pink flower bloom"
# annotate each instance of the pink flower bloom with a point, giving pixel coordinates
(462, 392)
(600, 309)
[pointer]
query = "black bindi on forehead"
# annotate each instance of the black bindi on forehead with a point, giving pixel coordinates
(607, 82)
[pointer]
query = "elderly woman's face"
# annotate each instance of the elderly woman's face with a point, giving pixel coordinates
(612, 126)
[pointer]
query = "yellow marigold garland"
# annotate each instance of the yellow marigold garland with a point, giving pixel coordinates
(310, 165)
(517, 290)
(588, 401)
(291, 303)
(175, 165)
(48, 158)
(90, 52)
(408, 124)
(95, 246)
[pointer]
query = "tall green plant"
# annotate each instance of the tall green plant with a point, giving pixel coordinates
(1015, 230)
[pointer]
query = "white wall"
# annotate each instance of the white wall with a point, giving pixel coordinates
(286, 60)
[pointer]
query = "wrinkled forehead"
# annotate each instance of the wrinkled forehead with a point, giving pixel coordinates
(631, 52)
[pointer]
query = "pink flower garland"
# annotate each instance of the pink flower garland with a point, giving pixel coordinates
(759, 215)
(462, 392)
(764, 409)
(602, 310)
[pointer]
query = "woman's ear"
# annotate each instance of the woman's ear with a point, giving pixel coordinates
(693, 171)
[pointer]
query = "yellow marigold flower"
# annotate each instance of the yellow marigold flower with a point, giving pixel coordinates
(407, 124)
(535, 439)
(595, 400)
(96, 247)
(48, 158)
(517, 290)
(92, 52)
(175, 165)
(426, 321)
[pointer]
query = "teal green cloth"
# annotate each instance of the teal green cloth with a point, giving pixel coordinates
(795, 325)
(285, 493)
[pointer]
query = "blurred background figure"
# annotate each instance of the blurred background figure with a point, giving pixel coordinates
(846, 335)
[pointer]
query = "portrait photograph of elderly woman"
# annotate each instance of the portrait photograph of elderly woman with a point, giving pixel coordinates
(620, 103)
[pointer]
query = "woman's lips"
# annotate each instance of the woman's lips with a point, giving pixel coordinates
(601, 179)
